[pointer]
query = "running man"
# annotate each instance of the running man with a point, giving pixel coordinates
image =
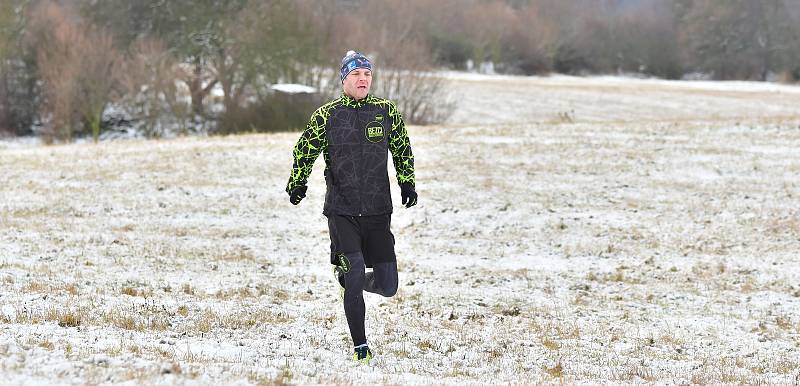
(355, 132)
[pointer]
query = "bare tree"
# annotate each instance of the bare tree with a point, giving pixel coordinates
(75, 63)
(18, 86)
(50, 35)
(738, 39)
(96, 82)
(526, 47)
(264, 43)
(149, 87)
(8, 10)
(490, 23)
(403, 62)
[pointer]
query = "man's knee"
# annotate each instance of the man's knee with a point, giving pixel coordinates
(388, 282)
(390, 289)
(354, 276)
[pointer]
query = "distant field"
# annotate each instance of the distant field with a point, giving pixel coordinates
(599, 230)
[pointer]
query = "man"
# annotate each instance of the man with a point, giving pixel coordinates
(355, 132)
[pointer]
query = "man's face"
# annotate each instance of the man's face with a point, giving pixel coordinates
(356, 84)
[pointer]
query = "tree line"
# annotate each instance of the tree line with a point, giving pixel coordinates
(73, 68)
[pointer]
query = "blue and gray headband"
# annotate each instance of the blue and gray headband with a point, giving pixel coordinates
(351, 61)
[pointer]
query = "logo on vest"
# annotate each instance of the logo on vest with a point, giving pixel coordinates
(374, 130)
(375, 133)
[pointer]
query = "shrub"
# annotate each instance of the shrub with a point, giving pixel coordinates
(19, 97)
(275, 111)
(75, 63)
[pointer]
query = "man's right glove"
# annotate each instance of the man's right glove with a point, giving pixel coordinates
(297, 194)
(408, 194)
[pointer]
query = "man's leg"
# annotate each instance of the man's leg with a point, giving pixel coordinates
(354, 308)
(382, 280)
(346, 236)
(378, 248)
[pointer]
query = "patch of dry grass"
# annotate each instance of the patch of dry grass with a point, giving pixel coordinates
(642, 247)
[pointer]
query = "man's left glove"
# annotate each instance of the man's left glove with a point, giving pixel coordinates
(297, 194)
(408, 194)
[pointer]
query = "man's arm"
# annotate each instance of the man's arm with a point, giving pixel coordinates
(311, 143)
(400, 146)
(403, 158)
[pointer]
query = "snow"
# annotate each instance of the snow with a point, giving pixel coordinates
(650, 237)
(594, 80)
(505, 99)
(291, 88)
(19, 142)
(217, 91)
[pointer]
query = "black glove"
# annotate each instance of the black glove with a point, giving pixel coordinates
(408, 194)
(297, 194)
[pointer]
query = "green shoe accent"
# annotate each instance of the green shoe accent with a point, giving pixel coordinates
(362, 355)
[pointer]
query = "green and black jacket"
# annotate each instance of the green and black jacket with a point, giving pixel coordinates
(355, 138)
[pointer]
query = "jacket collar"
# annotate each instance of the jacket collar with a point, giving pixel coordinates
(351, 102)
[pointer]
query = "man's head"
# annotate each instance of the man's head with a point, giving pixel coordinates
(356, 74)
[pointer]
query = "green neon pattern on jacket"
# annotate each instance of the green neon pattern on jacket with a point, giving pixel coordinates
(399, 144)
(311, 143)
(314, 140)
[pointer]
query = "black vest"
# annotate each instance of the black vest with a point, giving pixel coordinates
(358, 146)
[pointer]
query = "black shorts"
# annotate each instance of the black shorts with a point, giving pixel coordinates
(370, 235)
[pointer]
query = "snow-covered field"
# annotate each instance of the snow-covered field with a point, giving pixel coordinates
(578, 230)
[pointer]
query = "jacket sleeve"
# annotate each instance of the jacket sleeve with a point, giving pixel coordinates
(311, 143)
(400, 146)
